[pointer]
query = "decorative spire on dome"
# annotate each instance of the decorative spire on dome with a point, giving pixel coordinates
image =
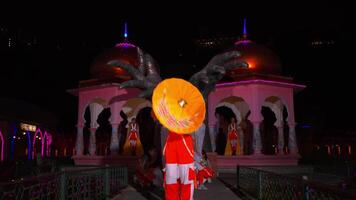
(125, 33)
(244, 34)
(126, 40)
(243, 39)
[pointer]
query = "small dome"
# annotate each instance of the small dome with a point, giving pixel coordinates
(259, 59)
(124, 52)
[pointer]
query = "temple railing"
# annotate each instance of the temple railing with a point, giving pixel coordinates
(84, 183)
(260, 184)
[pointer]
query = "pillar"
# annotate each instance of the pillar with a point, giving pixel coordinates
(79, 146)
(212, 134)
(292, 141)
(257, 145)
(114, 142)
(199, 139)
(280, 139)
(92, 142)
(241, 137)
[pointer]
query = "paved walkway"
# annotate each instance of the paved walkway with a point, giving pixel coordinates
(216, 191)
(129, 193)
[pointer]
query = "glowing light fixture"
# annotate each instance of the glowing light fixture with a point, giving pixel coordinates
(125, 32)
(28, 127)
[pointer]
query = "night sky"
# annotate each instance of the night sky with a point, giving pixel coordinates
(53, 46)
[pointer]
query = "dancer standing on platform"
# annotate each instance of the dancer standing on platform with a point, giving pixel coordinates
(233, 140)
(133, 144)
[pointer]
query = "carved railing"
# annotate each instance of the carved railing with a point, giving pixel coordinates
(94, 183)
(259, 184)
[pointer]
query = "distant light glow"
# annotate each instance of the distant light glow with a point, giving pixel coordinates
(28, 127)
(306, 126)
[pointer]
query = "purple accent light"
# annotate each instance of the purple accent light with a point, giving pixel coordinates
(125, 45)
(293, 85)
(48, 139)
(243, 42)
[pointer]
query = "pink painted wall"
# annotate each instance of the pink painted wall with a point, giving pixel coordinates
(254, 94)
(112, 96)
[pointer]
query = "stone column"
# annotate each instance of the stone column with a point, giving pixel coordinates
(257, 145)
(241, 137)
(79, 146)
(292, 141)
(280, 139)
(212, 134)
(114, 142)
(199, 139)
(92, 142)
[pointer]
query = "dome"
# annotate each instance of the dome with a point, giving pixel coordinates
(124, 52)
(260, 59)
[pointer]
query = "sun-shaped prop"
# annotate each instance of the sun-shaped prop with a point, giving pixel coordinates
(178, 105)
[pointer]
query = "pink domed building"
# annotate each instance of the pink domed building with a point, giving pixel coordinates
(261, 101)
(101, 95)
(258, 97)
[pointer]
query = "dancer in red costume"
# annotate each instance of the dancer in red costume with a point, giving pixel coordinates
(179, 172)
(133, 144)
(204, 171)
(233, 140)
(133, 136)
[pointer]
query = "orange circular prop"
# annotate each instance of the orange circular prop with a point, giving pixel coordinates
(178, 105)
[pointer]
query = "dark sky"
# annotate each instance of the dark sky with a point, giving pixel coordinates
(69, 37)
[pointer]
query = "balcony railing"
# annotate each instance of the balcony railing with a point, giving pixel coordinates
(259, 184)
(94, 183)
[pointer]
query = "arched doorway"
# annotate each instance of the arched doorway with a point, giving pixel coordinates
(274, 127)
(147, 128)
(224, 115)
(140, 109)
(103, 133)
(237, 108)
(269, 132)
(38, 144)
